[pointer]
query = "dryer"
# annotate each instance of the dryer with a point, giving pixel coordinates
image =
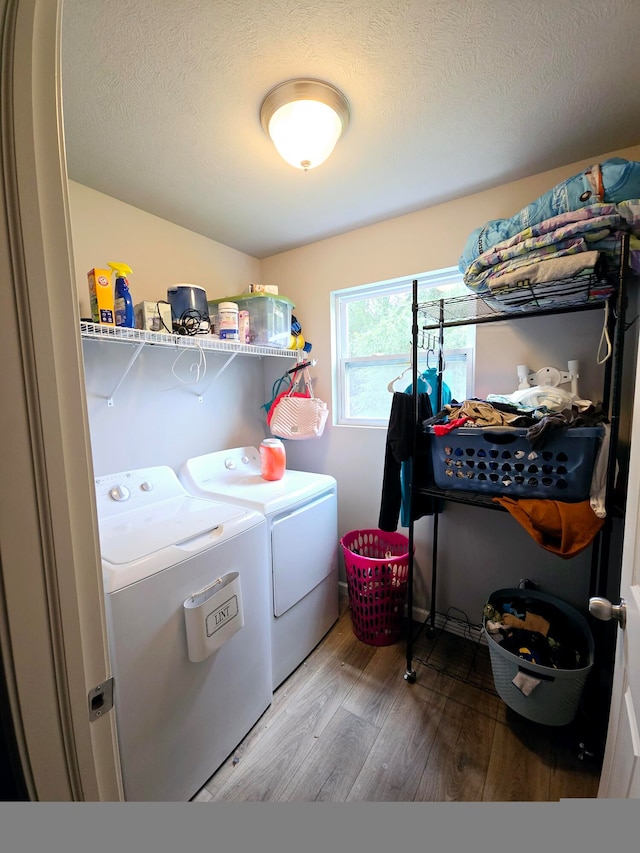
(301, 511)
(185, 582)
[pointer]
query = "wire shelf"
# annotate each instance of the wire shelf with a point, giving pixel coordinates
(95, 331)
(471, 308)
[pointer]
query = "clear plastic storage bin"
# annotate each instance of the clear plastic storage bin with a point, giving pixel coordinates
(269, 317)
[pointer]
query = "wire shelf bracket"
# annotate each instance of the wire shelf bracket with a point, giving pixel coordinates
(140, 338)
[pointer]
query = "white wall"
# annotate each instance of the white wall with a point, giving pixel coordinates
(160, 253)
(156, 417)
(480, 550)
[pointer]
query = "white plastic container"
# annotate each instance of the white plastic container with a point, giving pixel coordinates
(212, 616)
(227, 325)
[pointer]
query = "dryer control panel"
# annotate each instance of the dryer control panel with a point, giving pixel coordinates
(125, 491)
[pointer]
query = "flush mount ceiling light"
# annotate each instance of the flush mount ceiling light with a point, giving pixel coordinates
(305, 119)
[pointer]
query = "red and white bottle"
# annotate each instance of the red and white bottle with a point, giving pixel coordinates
(273, 459)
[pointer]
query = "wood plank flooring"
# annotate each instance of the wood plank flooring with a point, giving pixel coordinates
(346, 726)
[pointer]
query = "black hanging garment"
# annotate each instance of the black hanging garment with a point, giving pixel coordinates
(397, 460)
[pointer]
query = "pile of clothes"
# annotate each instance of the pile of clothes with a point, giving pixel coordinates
(562, 248)
(535, 631)
(540, 422)
(563, 528)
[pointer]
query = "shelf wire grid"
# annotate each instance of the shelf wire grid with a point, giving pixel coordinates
(95, 331)
(455, 648)
(472, 308)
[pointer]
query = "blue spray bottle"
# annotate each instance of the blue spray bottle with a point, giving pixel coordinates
(123, 300)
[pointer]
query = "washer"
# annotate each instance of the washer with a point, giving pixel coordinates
(302, 518)
(185, 582)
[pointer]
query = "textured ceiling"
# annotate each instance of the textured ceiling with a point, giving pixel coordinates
(161, 104)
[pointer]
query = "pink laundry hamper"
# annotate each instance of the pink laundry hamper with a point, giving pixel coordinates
(377, 566)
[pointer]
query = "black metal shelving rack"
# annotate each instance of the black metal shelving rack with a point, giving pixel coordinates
(471, 309)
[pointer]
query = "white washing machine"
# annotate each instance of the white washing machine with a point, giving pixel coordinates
(186, 580)
(302, 517)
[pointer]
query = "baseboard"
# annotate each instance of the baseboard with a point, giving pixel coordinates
(450, 622)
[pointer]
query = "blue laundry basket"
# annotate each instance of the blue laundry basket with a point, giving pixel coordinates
(500, 461)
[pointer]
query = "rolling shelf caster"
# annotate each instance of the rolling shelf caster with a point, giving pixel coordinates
(591, 750)
(410, 676)
(585, 753)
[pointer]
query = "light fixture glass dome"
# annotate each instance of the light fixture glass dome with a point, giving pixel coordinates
(305, 119)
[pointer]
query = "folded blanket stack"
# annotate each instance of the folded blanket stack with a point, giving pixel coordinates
(562, 248)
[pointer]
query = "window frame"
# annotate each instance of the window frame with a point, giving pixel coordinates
(341, 299)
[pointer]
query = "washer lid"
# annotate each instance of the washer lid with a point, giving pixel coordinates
(235, 475)
(148, 521)
(131, 536)
(138, 545)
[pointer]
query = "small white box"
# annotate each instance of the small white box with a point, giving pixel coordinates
(153, 317)
(244, 327)
(263, 288)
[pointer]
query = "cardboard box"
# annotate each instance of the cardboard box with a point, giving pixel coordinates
(263, 288)
(153, 317)
(101, 297)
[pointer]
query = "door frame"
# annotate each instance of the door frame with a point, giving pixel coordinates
(53, 637)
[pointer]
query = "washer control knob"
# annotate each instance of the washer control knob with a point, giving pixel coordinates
(245, 460)
(230, 464)
(146, 486)
(120, 493)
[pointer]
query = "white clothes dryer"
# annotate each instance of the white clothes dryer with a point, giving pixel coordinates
(302, 519)
(185, 582)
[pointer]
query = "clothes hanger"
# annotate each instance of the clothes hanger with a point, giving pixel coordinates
(434, 369)
(390, 387)
(430, 348)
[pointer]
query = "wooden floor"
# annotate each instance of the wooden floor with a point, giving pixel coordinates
(346, 726)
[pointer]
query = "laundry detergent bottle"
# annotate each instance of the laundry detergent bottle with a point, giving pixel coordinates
(123, 301)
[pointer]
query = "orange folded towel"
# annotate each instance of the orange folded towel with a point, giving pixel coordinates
(512, 621)
(533, 622)
(563, 528)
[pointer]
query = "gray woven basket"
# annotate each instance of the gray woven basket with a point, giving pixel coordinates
(555, 701)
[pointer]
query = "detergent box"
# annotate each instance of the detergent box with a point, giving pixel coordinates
(101, 296)
(153, 317)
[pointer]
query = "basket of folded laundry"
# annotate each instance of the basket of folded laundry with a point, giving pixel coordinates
(501, 461)
(541, 652)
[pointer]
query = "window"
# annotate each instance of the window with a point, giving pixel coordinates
(372, 345)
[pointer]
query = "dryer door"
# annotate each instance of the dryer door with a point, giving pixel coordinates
(304, 546)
